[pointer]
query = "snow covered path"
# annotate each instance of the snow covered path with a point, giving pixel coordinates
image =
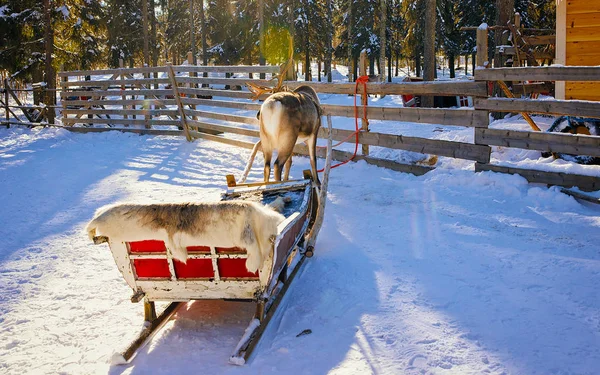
(448, 273)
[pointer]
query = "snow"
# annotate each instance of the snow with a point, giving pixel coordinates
(64, 10)
(452, 272)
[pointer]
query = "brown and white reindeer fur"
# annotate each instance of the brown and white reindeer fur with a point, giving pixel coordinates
(286, 119)
(243, 224)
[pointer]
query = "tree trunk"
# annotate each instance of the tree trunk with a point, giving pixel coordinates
(328, 42)
(261, 33)
(204, 47)
(505, 10)
(351, 66)
(319, 70)
(145, 34)
(192, 34)
(307, 57)
(451, 65)
(397, 62)
(418, 65)
(429, 48)
(153, 49)
(389, 75)
(382, 40)
(292, 27)
(50, 75)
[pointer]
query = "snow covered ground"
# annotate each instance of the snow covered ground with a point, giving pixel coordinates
(453, 272)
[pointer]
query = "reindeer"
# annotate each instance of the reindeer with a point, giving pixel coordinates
(286, 119)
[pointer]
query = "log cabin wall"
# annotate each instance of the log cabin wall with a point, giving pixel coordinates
(578, 44)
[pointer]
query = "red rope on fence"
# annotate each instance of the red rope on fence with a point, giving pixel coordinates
(363, 80)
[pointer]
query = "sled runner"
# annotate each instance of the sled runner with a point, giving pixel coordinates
(213, 272)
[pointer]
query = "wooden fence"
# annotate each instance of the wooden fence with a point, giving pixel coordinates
(547, 142)
(175, 100)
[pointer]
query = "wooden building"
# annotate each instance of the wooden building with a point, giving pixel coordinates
(578, 44)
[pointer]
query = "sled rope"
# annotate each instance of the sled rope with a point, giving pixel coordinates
(359, 80)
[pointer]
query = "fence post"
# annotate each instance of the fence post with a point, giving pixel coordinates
(191, 62)
(147, 107)
(6, 107)
(482, 45)
(362, 71)
(63, 88)
(123, 97)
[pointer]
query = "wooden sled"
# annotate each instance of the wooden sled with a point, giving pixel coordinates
(220, 273)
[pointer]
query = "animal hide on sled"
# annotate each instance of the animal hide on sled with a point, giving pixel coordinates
(243, 224)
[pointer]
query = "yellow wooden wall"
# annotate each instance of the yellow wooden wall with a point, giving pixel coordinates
(582, 45)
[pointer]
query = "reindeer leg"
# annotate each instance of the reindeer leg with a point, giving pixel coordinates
(283, 155)
(268, 154)
(286, 169)
(312, 153)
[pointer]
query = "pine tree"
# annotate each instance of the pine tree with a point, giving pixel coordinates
(124, 24)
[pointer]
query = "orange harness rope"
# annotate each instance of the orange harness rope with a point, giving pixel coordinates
(363, 80)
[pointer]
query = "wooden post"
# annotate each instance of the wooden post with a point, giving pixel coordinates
(192, 61)
(183, 119)
(6, 107)
(482, 45)
(123, 97)
(63, 102)
(362, 67)
(147, 106)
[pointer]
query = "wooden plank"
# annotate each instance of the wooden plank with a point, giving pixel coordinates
(511, 51)
(222, 116)
(225, 81)
(546, 107)
(442, 116)
(582, 48)
(583, 19)
(94, 111)
(482, 46)
(100, 72)
(583, 90)
(203, 125)
(222, 103)
(115, 82)
(586, 183)
(124, 121)
(273, 69)
(186, 69)
(119, 102)
(116, 92)
(77, 129)
(541, 141)
(450, 88)
(452, 149)
(581, 6)
(540, 39)
(215, 92)
(581, 34)
(337, 155)
(577, 195)
(175, 89)
(540, 73)
(584, 60)
(533, 87)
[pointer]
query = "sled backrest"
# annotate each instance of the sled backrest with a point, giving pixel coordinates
(149, 261)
